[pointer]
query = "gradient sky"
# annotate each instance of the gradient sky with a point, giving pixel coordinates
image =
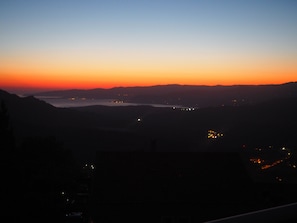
(87, 43)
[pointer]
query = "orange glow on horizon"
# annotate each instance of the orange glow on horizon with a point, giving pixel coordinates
(58, 45)
(86, 75)
(90, 82)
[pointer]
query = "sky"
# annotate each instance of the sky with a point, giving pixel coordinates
(66, 44)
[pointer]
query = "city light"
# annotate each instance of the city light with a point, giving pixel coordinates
(214, 135)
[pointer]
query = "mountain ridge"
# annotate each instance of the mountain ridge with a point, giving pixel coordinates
(165, 85)
(185, 95)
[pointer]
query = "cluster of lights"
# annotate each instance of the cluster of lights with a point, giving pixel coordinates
(187, 109)
(118, 101)
(256, 160)
(70, 214)
(214, 135)
(285, 154)
(67, 199)
(73, 99)
(90, 166)
(267, 166)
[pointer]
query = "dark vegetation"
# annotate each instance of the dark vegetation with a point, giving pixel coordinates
(44, 148)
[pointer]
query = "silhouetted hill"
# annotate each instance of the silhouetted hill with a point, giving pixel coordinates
(82, 132)
(186, 95)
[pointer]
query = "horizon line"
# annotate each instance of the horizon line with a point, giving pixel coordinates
(32, 90)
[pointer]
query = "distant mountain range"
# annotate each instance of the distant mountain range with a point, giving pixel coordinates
(185, 95)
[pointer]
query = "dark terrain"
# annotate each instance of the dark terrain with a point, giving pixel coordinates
(48, 147)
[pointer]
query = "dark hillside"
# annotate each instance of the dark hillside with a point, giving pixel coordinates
(80, 131)
(88, 129)
(154, 148)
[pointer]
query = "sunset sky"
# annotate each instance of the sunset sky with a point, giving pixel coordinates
(59, 44)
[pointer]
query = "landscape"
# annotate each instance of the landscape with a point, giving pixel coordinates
(151, 111)
(258, 133)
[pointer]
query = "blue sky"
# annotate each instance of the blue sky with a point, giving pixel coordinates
(250, 23)
(205, 31)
